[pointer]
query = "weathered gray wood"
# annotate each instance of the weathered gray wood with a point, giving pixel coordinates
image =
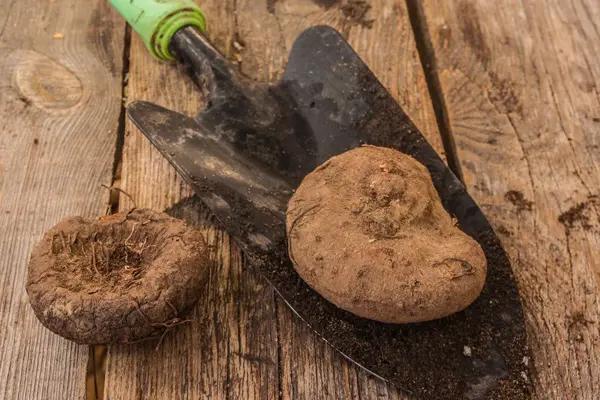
(224, 353)
(521, 83)
(60, 99)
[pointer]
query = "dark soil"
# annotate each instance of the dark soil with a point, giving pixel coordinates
(425, 359)
(120, 278)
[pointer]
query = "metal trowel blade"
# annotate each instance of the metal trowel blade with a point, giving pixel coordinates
(248, 199)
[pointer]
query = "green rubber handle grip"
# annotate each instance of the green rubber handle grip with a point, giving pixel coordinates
(156, 21)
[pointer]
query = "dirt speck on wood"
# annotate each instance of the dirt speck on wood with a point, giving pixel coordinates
(356, 12)
(584, 215)
(518, 200)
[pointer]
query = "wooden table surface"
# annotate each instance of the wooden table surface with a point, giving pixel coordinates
(510, 89)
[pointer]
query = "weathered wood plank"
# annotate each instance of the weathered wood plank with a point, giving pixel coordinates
(230, 348)
(258, 35)
(60, 99)
(521, 83)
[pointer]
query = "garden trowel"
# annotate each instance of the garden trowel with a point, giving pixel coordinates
(252, 144)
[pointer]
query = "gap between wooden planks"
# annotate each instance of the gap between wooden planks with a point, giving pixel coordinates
(244, 343)
(520, 82)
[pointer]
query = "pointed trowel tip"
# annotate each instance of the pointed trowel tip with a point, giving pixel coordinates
(156, 121)
(136, 111)
(136, 107)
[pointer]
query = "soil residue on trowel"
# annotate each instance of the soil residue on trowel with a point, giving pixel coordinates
(432, 354)
(120, 278)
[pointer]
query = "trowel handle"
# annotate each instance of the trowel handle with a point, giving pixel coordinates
(156, 21)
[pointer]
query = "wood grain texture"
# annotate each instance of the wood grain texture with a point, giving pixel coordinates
(60, 99)
(521, 84)
(230, 348)
(245, 343)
